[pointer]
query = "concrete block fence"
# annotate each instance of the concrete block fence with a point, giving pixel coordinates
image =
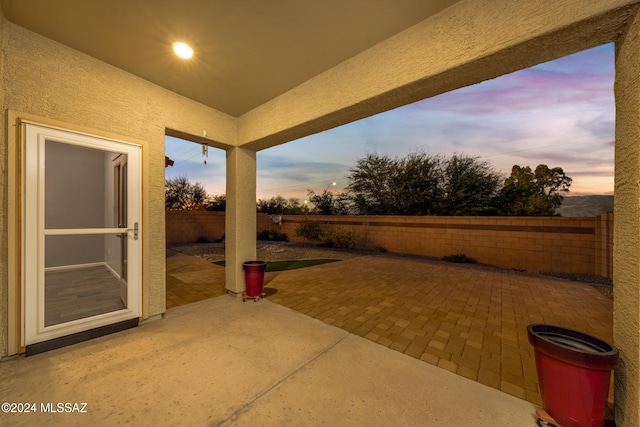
(549, 244)
(189, 226)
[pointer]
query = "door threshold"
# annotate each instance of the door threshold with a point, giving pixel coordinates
(79, 337)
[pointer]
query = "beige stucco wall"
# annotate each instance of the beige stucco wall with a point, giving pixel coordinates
(47, 80)
(4, 273)
(240, 222)
(626, 255)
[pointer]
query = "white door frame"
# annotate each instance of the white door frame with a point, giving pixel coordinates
(34, 232)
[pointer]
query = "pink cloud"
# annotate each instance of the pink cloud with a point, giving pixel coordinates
(584, 78)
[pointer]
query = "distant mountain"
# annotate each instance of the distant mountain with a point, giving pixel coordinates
(577, 206)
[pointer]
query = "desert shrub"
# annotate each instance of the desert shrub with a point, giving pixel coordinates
(272, 235)
(461, 258)
(339, 237)
(309, 230)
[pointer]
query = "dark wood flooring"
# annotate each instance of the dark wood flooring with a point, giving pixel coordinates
(80, 293)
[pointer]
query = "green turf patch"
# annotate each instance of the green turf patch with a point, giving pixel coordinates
(290, 265)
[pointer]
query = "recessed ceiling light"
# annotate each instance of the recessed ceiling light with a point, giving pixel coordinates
(183, 50)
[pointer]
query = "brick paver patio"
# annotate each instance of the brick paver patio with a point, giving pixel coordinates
(191, 279)
(465, 318)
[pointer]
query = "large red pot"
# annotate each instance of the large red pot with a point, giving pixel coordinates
(574, 371)
(254, 277)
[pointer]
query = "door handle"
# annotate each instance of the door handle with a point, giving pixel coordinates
(135, 231)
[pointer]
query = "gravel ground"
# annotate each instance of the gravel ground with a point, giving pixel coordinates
(602, 284)
(285, 251)
(270, 251)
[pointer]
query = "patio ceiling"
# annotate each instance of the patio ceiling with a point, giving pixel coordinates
(246, 52)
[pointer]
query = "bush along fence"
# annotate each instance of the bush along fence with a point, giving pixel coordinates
(546, 244)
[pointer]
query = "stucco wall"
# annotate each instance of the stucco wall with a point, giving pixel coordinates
(626, 256)
(4, 199)
(45, 80)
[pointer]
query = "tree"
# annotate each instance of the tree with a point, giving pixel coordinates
(294, 206)
(417, 184)
(469, 186)
(217, 203)
(278, 205)
(380, 185)
(536, 193)
(370, 184)
(329, 204)
(421, 184)
(180, 194)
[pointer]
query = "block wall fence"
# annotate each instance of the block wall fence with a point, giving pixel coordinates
(189, 226)
(549, 244)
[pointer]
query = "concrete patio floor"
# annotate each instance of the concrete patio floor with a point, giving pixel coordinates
(224, 362)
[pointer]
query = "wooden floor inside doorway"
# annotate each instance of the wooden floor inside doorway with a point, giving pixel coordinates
(79, 293)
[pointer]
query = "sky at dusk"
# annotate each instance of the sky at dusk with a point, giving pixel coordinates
(560, 113)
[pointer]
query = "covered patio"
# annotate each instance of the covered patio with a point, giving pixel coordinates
(105, 69)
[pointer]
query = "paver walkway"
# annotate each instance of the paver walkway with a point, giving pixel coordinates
(191, 279)
(468, 319)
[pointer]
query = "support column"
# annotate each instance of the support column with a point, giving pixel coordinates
(626, 235)
(240, 222)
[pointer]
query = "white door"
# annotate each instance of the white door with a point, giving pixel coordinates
(81, 232)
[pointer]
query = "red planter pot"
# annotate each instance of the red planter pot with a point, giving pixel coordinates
(254, 277)
(574, 371)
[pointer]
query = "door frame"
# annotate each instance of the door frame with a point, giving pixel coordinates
(119, 168)
(134, 309)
